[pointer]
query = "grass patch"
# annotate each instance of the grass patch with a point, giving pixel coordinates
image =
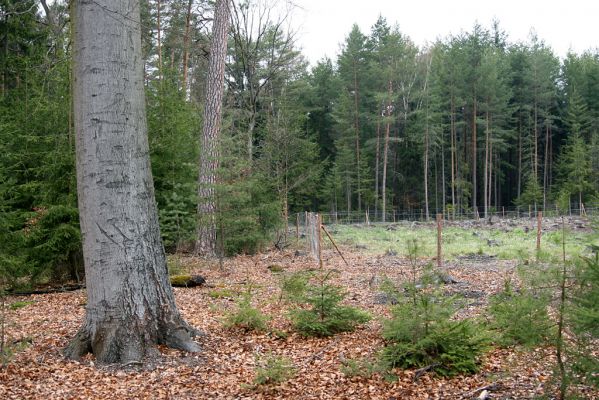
(512, 245)
(222, 294)
(20, 304)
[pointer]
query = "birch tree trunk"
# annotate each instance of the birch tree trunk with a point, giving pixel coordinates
(130, 303)
(206, 237)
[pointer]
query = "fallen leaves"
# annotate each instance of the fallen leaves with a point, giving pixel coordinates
(226, 368)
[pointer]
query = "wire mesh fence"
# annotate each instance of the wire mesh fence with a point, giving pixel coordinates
(369, 216)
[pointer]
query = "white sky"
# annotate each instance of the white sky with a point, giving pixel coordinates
(562, 25)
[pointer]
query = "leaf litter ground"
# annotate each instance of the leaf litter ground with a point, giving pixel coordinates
(226, 367)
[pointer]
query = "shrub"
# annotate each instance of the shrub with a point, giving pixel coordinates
(246, 316)
(40, 245)
(294, 286)
(584, 320)
(273, 370)
(326, 316)
(422, 333)
(359, 367)
(521, 318)
(419, 336)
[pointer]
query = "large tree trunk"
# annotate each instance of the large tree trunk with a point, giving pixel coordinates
(130, 303)
(206, 238)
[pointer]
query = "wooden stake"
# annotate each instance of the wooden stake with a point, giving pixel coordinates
(367, 220)
(439, 240)
(306, 227)
(319, 235)
(539, 224)
(334, 244)
(297, 222)
(503, 211)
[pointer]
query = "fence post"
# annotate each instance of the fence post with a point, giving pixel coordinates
(306, 226)
(439, 240)
(297, 222)
(539, 225)
(319, 236)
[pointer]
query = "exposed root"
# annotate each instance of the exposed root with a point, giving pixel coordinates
(114, 343)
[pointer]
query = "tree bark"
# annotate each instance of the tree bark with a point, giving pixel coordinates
(377, 164)
(474, 151)
(159, 39)
(487, 183)
(186, 38)
(426, 146)
(453, 149)
(130, 303)
(209, 154)
(357, 131)
(386, 152)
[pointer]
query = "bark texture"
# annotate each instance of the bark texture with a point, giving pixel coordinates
(206, 237)
(130, 304)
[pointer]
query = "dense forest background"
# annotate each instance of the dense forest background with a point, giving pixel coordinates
(474, 123)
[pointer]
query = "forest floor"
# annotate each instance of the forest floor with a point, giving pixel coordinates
(226, 367)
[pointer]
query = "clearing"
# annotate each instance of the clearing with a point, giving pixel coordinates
(479, 257)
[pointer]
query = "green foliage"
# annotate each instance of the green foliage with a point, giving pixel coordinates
(54, 243)
(422, 333)
(173, 126)
(326, 316)
(361, 367)
(249, 210)
(42, 245)
(273, 370)
(521, 317)
(20, 304)
(294, 286)
(222, 294)
(532, 194)
(584, 320)
(246, 316)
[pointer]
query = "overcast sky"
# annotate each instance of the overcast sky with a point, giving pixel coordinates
(571, 24)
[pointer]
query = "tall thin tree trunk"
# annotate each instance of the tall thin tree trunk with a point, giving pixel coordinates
(487, 181)
(474, 156)
(159, 38)
(186, 39)
(357, 129)
(490, 180)
(130, 303)
(209, 154)
(453, 150)
(377, 165)
(426, 171)
(386, 152)
(519, 158)
(546, 167)
(444, 199)
(535, 154)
